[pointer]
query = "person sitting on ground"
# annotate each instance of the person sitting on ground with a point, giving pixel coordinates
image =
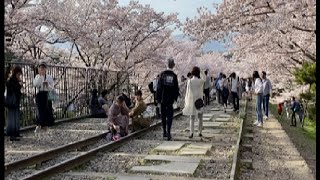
(126, 98)
(138, 121)
(95, 108)
(103, 100)
(118, 117)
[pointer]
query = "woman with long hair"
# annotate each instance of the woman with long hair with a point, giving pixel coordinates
(14, 85)
(44, 83)
(194, 92)
(258, 91)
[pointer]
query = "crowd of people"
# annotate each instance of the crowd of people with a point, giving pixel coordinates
(192, 95)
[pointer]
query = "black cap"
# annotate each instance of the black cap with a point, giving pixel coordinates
(42, 63)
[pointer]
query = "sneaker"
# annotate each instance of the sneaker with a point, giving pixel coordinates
(255, 123)
(191, 136)
(265, 117)
(259, 124)
(37, 130)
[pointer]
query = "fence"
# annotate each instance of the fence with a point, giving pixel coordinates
(73, 85)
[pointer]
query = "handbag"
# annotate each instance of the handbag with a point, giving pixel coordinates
(198, 103)
(52, 95)
(10, 101)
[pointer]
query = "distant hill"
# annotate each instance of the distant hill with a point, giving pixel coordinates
(209, 46)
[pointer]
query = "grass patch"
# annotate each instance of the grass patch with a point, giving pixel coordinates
(309, 128)
(303, 139)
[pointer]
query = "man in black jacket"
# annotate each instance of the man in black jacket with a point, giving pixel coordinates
(167, 93)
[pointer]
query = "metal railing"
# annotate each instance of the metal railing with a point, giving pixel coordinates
(73, 86)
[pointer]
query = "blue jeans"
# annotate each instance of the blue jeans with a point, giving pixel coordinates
(266, 104)
(258, 108)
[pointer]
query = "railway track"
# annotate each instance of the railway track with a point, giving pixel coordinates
(65, 133)
(96, 133)
(82, 155)
(142, 157)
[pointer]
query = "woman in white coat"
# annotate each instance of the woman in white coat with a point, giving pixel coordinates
(194, 91)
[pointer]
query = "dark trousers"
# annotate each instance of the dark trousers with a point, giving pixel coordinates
(45, 111)
(13, 127)
(293, 117)
(225, 96)
(167, 116)
(206, 96)
(266, 104)
(154, 99)
(235, 100)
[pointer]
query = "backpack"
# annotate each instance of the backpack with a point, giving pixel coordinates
(297, 107)
(216, 84)
(150, 86)
(225, 92)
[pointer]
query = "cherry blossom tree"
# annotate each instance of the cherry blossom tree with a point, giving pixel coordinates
(272, 35)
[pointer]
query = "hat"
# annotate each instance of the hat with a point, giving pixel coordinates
(171, 62)
(42, 63)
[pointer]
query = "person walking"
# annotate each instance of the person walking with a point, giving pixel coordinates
(224, 91)
(267, 91)
(218, 90)
(207, 88)
(193, 93)
(44, 84)
(14, 85)
(249, 88)
(234, 91)
(153, 89)
(295, 108)
(230, 98)
(167, 94)
(258, 91)
(287, 104)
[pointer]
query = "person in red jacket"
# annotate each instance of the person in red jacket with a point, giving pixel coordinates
(280, 108)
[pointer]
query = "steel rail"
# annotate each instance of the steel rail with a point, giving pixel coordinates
(83, 158)
(41, 157)
(235, 161)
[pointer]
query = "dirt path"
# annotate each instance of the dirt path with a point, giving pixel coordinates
(274, 155)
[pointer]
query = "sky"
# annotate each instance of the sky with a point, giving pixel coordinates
(185, 8)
